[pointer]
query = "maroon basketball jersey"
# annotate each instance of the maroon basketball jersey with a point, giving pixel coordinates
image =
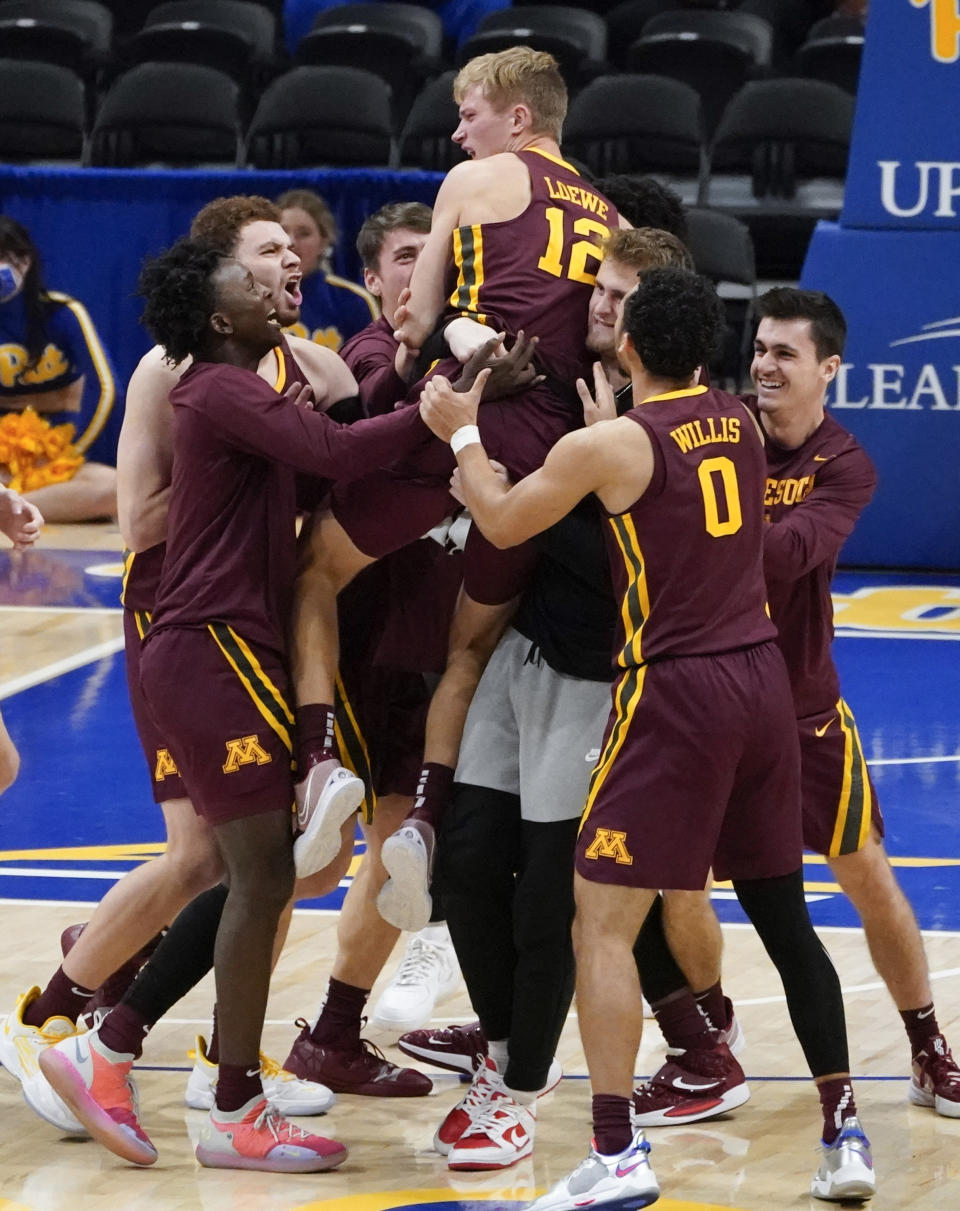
(687, 556)
(370, 355)
(537, 271)
(813, 498)
(141, 575)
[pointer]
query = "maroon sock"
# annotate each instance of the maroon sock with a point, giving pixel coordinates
(433, 792)
(713, 1004)
(123, 1030)
(236, 1085)
(836, 1102)
(340, 1016)
(682, 1024)
(612, 1129)
(316, 739)
(61, 998)
(213, 1051)
(921, 1027)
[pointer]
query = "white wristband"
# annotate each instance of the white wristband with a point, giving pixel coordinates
(466, 435)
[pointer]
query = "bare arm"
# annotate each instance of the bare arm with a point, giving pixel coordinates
(145, 452)
(326, 371)
(19, 519)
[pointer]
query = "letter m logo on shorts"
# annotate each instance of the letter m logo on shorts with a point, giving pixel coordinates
(165, 766)
(610, 844)
(244, 751)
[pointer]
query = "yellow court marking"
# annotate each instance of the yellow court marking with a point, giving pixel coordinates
(397, 1199)
(7, 1205)
(102, 853)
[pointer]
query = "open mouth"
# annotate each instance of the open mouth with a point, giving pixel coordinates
(292, 291)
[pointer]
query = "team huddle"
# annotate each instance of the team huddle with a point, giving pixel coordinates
(645, 581)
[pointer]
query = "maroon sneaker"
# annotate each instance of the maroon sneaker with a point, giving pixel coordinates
(355, 1066)
(458, 1048)
(691, 1085)
(936, 1079)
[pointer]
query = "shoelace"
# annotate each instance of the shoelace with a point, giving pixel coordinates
(944, 1069)
(282, 1130)
(480, 1092)
(421, 958)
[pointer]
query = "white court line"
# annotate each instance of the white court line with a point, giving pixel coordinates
(40, 872)
(844, 633)
(86, 656)
(911, 760)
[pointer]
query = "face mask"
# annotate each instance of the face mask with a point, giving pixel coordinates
(11, 281)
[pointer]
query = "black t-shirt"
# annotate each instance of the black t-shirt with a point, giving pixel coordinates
(568, 610)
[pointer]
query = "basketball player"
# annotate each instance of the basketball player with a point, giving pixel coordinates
(213, 673)
(819, 480)
(699, 766)
(515, 242)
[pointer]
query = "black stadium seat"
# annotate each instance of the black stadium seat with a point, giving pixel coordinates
(425, 140)
(832, 52)
(171, 113)
(402, 43)
(639, 124)
(72, 33)
(714, 52)
(575, 37)
(42, 110)
(322, 115)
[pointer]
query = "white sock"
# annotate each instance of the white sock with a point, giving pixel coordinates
(497, 1051)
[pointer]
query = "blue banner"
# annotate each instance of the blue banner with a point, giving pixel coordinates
(905, 160)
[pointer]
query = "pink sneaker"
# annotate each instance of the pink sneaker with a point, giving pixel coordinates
(257, 1136)
(96, 1084)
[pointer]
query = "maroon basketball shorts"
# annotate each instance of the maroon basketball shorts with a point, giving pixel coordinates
(224, 709)
(385, 511)
(699, 768)
(380, 716)
(839, 800)
(164, 776)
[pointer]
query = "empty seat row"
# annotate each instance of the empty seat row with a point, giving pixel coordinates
(773, 133)
(714, 51)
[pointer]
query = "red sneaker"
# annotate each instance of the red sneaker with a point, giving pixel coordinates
(458, 1048)
(353, 1066)
(499, 1136)
(691, 1085)
(486, 1083)
(936, 1079)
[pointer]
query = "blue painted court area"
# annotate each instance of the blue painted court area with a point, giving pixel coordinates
(81, 812)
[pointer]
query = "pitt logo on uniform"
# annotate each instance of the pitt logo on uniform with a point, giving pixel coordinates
(244, 751)
(608, 843)
(165, 767)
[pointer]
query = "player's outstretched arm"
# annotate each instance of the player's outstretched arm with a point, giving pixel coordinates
(19, 519)
(145, 452)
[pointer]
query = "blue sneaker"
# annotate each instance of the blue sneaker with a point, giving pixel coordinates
(846, 1166)
(625, 1182)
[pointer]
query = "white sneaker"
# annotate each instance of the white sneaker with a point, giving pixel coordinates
(20, 1049)
(500, 1135)
(407, 856)
(427, 975)
(624, 1180)
(286, 1092)
(324, 801)
(846, 1166)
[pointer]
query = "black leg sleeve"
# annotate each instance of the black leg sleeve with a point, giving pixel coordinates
(778, 911)
(181, 960)
(543, 981)
(659, 973)
(477, 858)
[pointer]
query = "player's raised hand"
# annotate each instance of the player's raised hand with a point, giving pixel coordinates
(601, 405)
(445, 410)
(19, 519)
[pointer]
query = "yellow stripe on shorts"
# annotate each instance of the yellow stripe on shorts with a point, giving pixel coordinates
(353, 747)
(855, 809)
(265, 695)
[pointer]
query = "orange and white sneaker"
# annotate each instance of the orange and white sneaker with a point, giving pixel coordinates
(486, 1082)
(257, 1136)
(500, 1135)
(96, 1084)
(20, 1049)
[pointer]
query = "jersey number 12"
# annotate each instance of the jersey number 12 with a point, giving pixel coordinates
(579, 250)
